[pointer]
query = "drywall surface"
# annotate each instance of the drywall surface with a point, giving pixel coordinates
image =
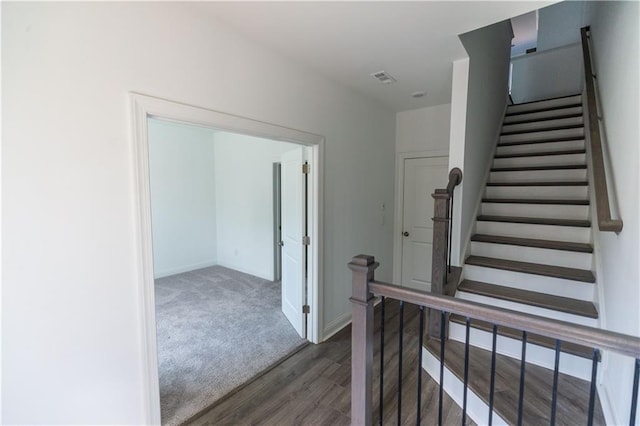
(559, 24)
(614, 34)
(423, 129)
(244, 201)
(489, 52)
(183, 198)
(457, 132)
(547, 74)
(72, 336)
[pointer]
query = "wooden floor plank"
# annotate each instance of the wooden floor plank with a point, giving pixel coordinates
(313, 387)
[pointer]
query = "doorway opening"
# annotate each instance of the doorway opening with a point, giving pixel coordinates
(299, 235)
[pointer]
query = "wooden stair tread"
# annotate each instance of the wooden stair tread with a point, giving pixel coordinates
(541, 101)
(533, 268)
(545, 129)
(573, 393)
(534, 242)
(536, 339)
(566, 114)
(538, 168)
(537, 201)
(542, 153)
(541, 300)
(536, 221)
(540, 183)
(529, 142)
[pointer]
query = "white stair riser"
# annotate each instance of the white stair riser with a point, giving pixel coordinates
(539, 192)
(549, 285)
(567, 259)
(551, 103)
(542, 115)
(527, 230)
(528, 309)
(542, 125)
(548, 211)
(542, 160)
(545, 135)
(477, 409)
(569, 364)
(541, 147)
(539, 176)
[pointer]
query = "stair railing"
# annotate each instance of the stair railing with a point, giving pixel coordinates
(441, 247)
(365, 288)
(605, 222)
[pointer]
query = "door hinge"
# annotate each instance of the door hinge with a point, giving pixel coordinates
(306, 240)
(306, 168)
(306, 309)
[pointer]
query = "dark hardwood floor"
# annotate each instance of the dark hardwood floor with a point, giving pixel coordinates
(312, 387)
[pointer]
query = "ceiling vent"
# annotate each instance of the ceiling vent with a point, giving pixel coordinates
(383, 77)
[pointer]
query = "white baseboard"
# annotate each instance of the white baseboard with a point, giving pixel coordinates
(185, 268)
(606, 402)
(335, 326)
(255, 273)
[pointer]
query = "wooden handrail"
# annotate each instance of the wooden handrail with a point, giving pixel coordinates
(455, 178)
(365, 287)
(568, 332)
(605, 222)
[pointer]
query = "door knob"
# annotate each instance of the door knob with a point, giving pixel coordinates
(405, 233)
(281, 243)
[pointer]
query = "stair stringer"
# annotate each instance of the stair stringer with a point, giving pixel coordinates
(477, 409)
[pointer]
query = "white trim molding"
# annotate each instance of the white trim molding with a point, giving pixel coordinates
(144, 107)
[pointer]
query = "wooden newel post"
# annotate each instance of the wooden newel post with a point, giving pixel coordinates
(362, 340)
(439, 257)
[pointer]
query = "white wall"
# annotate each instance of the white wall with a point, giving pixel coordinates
(489, 50)
(71, 315)
(547, 74)
(615, 46)
(423, 129)
(559, 25)
(419, 132)
(244, 190)
(183, 198)
(457, 132)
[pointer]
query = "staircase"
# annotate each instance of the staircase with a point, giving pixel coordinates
(531, 251)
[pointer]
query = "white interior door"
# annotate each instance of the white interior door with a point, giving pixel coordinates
(293, 228)
(421, 177)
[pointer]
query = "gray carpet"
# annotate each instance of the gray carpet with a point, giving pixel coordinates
(217, 328)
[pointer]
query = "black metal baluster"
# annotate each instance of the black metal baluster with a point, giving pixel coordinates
(466, 372)
(401, 327)
(592, 391)
(380, 409)
(522, 370)
(493, 373)
(443, 317)
(450, 216)
(420, 341)
(554, 397)
(634, 394)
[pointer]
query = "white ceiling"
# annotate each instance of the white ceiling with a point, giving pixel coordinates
(415, 42)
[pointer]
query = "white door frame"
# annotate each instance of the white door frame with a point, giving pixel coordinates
(399, 202)
(144, 107)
